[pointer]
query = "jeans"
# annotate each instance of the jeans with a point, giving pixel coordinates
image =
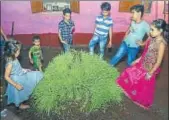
(102, 40)
(122, 51)
(66, 47)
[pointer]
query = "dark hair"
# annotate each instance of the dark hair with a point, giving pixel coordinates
(161, 24)
(138, 8)
(66, 10)
(35, 37)
(11, 47)
(106, 6)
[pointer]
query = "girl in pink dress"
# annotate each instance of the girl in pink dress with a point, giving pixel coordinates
(138, 81)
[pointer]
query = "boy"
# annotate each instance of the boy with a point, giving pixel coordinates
(35, 54)
(133, 38)
(66, 29)
(103, 28)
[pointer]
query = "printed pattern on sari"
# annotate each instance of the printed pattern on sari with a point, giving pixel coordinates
(133, 79)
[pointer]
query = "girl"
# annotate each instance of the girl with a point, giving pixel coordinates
(21, 82)
(138, 81)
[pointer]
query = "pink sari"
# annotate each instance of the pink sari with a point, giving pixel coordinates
(134, 84)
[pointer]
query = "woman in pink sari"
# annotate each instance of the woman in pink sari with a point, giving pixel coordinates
(138, 81)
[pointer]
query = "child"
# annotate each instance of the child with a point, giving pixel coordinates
(138, 81)
(103, 28)
(138, 29)
(66, 29)
(21, 82)
(35, 54)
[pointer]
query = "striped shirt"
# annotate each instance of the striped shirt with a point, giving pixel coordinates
(103, 25)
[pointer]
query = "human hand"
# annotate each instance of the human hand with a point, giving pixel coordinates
(109, 45)
(73, 30)
(64, 42)
(148, 76)
(18, 86)
(140, 43)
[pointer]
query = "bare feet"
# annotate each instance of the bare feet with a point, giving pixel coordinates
(23, 107)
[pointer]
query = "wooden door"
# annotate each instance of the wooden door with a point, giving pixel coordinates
(37, 6)
(125, 5)
(75, 6)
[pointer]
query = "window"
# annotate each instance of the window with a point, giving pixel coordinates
(54, 5)
(125, 5)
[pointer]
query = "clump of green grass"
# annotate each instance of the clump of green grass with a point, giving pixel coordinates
(76, 78)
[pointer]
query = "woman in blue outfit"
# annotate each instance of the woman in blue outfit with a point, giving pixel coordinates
(21, 82)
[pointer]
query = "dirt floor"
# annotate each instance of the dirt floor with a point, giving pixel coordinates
(127, 111)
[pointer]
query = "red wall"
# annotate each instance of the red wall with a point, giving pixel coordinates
(51, 39)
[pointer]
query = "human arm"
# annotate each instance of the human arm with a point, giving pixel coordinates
(3, 34)
(73, 27)
(9, 80)
(128, 30)
(141, 43)
(60, 27)
(41, 55)
(159, 59)
(60, 37)
(110, 37)
(30, 55)
(146, 36)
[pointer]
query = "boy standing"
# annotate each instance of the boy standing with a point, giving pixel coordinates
(133, 37)
(66, 29)
(103, 29)
(35, 54)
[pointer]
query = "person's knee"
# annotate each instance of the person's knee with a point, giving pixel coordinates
(118, 55)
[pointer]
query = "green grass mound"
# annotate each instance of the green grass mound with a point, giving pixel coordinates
(76, 78)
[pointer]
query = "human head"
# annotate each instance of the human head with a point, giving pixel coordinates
(105, 7)
(12, 49)
(67, 14)
(36, 40)
(158, 27)
(137, 12)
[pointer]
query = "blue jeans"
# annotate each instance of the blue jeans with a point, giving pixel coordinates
(66, 47)
(102, 40)
(122, 51)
